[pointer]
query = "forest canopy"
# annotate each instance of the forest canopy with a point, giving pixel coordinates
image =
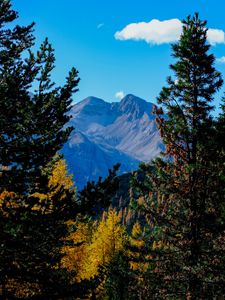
(164, 238)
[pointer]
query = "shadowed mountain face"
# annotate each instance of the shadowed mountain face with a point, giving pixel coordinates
(107, 133)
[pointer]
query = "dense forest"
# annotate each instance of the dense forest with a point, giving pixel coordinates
(158, 233)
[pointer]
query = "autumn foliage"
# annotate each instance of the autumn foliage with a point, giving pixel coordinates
(166, 242)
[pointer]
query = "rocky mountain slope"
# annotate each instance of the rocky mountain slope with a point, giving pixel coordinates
(107, 133)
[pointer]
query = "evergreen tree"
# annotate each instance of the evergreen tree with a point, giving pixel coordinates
(96, 196)
(183, 192)
(32, 125)
(118, 278)
(32, 130)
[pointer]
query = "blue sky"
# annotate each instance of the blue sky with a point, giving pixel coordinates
(83, 35)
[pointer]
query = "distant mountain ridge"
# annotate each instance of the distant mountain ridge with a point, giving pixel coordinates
(106, 133)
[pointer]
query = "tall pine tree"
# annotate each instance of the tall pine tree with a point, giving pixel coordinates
(184, 191)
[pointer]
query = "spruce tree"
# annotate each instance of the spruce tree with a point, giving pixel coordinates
(33, 114)
(95, 196)
(183, 192)
(32, 124)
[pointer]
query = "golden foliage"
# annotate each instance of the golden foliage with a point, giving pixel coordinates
(59, 179)
(107, 240)
(23, 290)
(137, 240)
(9, 201)
(75, 255)
(5, 196)
(95, 244)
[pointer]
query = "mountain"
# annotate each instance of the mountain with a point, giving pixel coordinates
(107, 133)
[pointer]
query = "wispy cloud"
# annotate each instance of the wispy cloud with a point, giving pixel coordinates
(100, 25)
(161, 32)
(221, 60)
(120, 95)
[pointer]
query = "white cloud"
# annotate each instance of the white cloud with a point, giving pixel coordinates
(100, 25)
(160, 32)
(215, 36)
(120, 95)
(154, 32)
(221, 60)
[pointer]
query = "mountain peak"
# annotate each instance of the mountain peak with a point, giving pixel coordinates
(92, 101)
(135, 106)
(90, 104)
(107, 133)
(131, 97)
